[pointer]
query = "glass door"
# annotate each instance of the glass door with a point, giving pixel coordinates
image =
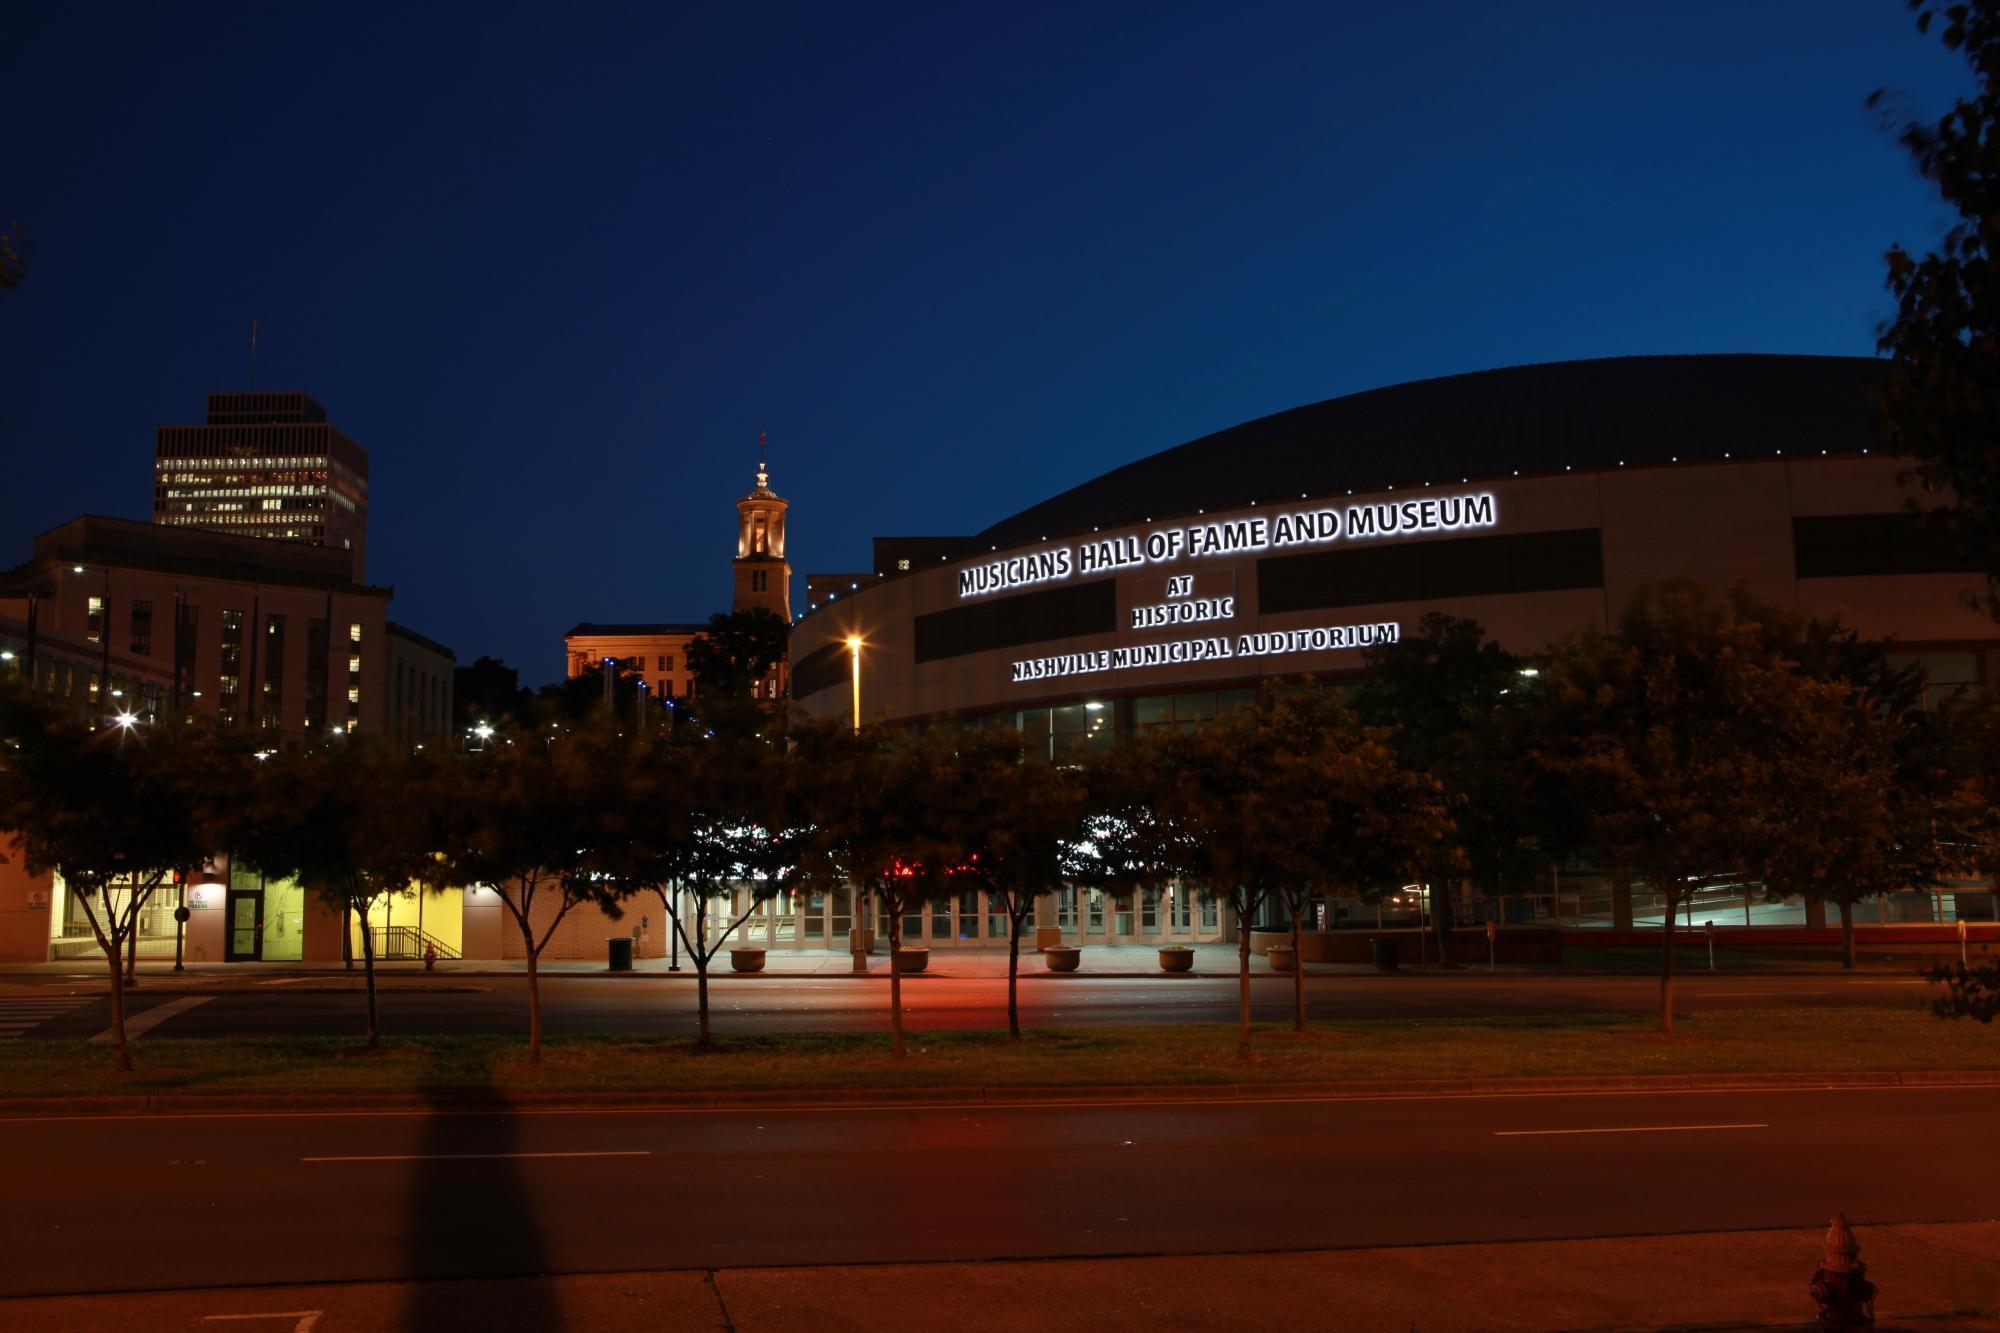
(245, 910)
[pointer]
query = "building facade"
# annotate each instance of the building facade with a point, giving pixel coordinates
(655, 654)
(420, 683)
(1534, 500)
(265, 465)
(134, 620)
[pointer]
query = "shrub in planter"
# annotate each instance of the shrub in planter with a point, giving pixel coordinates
(1062, 957)
(1176, 958)
(912, 960)
(746, 960)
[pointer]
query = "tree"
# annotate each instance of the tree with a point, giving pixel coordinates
(350, 820)
(1863, 794)
(1940, 407)
(1026, 821)
(1673, 736)
(868, 806)
(575, 699)
(116, 810)
(489, 691)
(1359, 819)
(1455, 703)
(737, 650)
(542, 826)
(709, 816)
(1202, 809)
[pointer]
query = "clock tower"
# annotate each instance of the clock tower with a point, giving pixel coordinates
(763, 578)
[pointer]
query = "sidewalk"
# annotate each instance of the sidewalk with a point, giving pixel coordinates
(1935, 1275)
(1098, 961)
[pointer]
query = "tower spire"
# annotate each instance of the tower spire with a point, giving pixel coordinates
(763, 473)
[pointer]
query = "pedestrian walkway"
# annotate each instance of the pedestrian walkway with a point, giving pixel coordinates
(20, 1016)
(1940, 1276)
(1096, 961)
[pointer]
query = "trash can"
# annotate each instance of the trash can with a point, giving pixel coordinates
(621, 952)
(1384, 954)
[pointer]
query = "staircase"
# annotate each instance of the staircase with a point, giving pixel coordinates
(407, 944)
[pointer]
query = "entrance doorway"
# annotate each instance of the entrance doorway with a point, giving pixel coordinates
(244, 925)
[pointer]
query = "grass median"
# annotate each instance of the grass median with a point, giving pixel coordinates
(1782, 1041)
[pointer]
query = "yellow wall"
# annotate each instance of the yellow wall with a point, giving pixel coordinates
(443, 917)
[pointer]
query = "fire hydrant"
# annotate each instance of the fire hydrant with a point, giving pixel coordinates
(1841, 1287)
(430, 957)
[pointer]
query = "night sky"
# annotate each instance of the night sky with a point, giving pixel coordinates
(556, 266)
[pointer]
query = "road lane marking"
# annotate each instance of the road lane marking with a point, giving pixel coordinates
(1754, 994)
(473, 1156)
(303, 1320)
(1620, 1129)
(19, 1016)
(140, 1024)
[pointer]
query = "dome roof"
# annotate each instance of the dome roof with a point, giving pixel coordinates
(1492, 423)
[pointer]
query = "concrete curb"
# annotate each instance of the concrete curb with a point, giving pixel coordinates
(752, 1099)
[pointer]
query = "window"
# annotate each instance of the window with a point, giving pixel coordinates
(142, 628)
(660, 662)
(229, 686)
(273, 686)
(667, 662)
(903, 565)
(94, 629)
(757, 581)
(1424, 571)
(1008, 622)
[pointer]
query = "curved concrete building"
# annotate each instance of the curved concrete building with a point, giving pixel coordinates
(1534, 499)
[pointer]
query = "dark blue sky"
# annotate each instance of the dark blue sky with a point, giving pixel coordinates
(556, 266)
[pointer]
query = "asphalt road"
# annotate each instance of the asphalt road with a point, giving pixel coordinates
(149, 1202)
(572, 1005)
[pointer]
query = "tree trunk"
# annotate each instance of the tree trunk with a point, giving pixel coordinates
(534, 1007)
(347, 934)
(1847, 934)
(1298, 971)
(122, 1061)
(1667, 971)
(132, 949)
(368, 981)
(1014, 922)
(895, 909)
(1441, 920)
(702, 1037)
(1242, 982)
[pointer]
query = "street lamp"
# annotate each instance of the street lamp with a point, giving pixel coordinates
(854, 658)
(859, 938)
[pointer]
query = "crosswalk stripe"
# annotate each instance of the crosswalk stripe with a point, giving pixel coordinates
(19, 1016)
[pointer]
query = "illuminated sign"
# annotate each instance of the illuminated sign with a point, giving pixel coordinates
(1182, 607)
(1324, 638)
(1362, 520)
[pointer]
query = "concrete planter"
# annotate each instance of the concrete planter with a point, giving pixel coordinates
(1062, 957)
(912, 960)
(1280, 958)
(1176, 959)
(746, 960)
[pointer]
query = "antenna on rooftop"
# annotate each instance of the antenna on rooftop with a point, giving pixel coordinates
(253, 353)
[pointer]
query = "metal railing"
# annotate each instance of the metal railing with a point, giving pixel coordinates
(406, 943)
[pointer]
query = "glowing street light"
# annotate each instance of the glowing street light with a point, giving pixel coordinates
(859, 939)
(126, 721)
(854, 657)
